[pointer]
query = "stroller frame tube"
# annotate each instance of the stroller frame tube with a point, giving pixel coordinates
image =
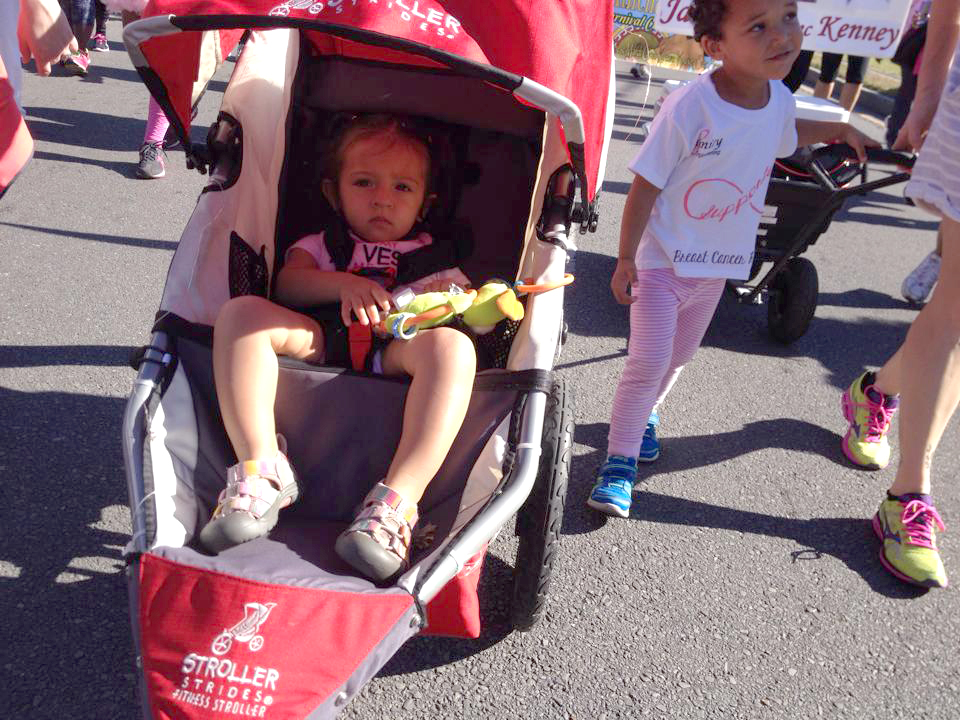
(501, 509)
(156, 360)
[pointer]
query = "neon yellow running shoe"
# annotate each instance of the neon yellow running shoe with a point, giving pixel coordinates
(906, 527)
(869, 413)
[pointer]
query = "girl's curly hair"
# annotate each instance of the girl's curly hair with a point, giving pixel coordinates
(706, 16)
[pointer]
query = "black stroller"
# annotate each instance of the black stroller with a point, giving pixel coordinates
(805, 191)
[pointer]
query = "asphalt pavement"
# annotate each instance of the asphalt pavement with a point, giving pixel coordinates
(745, 583)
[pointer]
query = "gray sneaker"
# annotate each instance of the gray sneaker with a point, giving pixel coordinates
(153, 161)
(919, 283)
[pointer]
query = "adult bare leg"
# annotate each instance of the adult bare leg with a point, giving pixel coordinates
(929, 372)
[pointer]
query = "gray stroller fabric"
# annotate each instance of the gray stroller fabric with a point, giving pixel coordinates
(342, 429)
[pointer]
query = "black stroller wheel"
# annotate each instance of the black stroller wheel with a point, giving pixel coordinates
(792, 300)
(539, 520)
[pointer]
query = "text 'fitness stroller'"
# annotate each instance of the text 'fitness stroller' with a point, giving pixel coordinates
(279, 627)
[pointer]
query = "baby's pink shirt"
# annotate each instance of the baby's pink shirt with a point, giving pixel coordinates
(378, 261)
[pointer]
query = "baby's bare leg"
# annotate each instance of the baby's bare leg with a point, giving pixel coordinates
(249, 334)
(442, 363)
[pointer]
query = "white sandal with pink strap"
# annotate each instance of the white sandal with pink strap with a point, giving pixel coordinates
(377, 543)
(256, 492)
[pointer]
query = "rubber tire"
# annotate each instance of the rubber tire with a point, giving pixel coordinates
(540, 517)
(792, 300)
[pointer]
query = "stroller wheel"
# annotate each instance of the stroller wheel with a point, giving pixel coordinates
(538, 521)
(793, 300)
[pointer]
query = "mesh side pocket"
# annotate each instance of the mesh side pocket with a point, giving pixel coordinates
(493, 348)
(248, 269)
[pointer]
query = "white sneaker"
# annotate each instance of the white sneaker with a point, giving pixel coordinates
(918, 284)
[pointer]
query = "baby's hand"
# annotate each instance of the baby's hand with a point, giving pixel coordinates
(623, 278)
(364, 298)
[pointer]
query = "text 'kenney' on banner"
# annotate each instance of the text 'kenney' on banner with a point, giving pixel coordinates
(871, 28)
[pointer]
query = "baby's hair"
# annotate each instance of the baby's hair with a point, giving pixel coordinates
(398, 128)
(707, 15)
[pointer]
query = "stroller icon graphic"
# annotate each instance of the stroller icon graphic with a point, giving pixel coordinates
(255, 614)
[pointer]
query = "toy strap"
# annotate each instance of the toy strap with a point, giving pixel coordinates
(530, 289)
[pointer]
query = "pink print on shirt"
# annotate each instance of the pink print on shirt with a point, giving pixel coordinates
(705, 145)
(700, 200)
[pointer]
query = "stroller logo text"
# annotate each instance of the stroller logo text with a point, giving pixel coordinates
(425, 15)
(226, 686)
(255, 614)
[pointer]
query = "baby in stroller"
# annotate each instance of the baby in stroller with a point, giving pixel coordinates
(378, 180)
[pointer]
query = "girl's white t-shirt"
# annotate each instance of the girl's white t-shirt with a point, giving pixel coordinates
(712, 161)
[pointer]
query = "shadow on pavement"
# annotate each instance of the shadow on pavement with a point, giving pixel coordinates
(495, 592)
(64, 604)
(696, 451)
(20, 356)
(865, 299)
(904, 223)
(98, 237)
(591, 310)
(123, 169)
(850, 540)
(97, 131)
(839, 346)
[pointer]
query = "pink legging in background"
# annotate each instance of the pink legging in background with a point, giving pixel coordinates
(668, 318)
(157, 123)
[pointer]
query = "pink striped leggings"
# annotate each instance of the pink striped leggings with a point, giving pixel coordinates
(668, 319)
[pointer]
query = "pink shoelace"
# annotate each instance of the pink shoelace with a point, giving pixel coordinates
(918, 519)
(879, 417)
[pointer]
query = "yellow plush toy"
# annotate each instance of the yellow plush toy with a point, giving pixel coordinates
(481, 309)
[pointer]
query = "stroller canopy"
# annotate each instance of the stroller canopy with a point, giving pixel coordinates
(552, 55)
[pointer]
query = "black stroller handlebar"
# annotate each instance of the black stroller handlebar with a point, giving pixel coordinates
(874, 155)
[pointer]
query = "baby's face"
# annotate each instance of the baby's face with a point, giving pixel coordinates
(382, 186)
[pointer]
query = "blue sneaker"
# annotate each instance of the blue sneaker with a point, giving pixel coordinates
(613, 491)
(650, 448)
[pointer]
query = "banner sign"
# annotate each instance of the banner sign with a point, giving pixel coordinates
(637, 37)
(870, 28)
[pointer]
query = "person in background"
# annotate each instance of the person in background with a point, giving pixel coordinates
(153, 158)
(850, 92)
(29, 29)
(80, 15)
(33, 30)
(908, 57)
(918, 284)
(100, 43)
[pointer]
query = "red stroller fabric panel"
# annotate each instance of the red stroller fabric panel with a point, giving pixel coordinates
(220, 646)
(455, 610)
(16, 145)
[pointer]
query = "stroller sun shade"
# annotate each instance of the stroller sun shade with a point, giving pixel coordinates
(549, 55)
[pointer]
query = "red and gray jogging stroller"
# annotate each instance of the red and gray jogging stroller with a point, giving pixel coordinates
(279, 627)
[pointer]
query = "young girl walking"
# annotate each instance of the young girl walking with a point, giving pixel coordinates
(693, 210)
(379, 184)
